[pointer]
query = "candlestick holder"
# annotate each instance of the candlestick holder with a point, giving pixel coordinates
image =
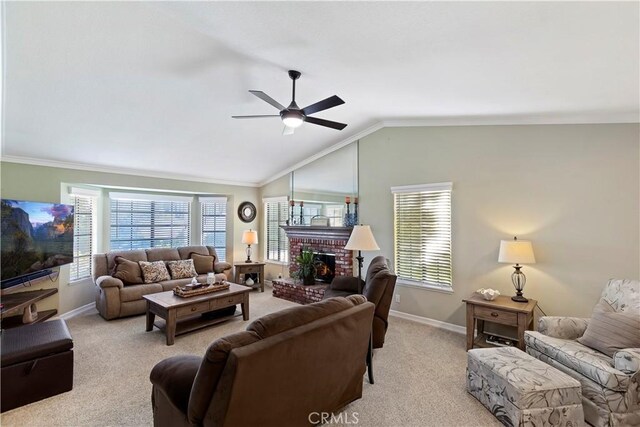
(301, 214)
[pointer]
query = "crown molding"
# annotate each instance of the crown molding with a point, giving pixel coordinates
(121, 171)
(518, 119)
(502, 120)
(513, 120)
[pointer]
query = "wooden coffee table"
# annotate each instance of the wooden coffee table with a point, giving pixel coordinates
(182, 315)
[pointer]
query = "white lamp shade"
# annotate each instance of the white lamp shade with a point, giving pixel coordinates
(250, 237)
(362, 239)
(516, 252)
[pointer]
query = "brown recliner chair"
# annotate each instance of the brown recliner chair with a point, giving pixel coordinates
(285, 369)
(378, 289)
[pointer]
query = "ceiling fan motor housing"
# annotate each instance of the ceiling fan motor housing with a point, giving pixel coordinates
(295, 75)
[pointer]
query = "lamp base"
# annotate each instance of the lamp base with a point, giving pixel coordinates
(519, 298)
(248, 254)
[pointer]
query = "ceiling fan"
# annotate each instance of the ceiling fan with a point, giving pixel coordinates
(293, 116)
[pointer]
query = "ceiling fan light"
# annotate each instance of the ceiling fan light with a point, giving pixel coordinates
(292, 120)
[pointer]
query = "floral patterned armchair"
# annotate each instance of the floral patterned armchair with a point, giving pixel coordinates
(610, 385)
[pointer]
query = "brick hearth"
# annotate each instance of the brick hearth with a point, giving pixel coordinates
(289, 290)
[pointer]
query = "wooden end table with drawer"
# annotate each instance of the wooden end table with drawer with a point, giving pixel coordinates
(243, 268)
(502, 310)
(182, 315)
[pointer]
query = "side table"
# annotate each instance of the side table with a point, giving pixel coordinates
(502, 310)
(243, 268)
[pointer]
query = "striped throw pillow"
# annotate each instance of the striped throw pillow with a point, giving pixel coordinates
(609, 331)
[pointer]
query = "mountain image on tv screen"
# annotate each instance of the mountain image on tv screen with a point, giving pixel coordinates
(35, 236)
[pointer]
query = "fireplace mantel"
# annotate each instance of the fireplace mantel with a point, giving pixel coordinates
(317, 232)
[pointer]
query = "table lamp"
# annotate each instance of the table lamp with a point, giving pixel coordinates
(517, 252)
(361, 239)
(249, 237)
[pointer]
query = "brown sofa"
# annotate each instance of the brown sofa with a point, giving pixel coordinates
(114, 299)
(283, 370)
(378, 288)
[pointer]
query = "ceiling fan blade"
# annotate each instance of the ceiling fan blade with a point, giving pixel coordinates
(327, 123)
(288, 130)
(325, 104)
(255, 117)
(268, 99)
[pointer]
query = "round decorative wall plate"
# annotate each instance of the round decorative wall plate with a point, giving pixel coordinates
(247, 212)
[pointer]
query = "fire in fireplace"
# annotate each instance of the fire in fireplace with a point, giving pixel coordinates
(326, 268)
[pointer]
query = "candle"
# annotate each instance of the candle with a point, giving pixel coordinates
(347, 200)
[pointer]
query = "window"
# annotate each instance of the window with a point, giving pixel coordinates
(422, 234)
(83, 210)
(308, 210)
(141, 221)
(277, 247)
(335, 214)
(214, 224)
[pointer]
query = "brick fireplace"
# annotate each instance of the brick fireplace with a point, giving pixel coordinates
(322, 239)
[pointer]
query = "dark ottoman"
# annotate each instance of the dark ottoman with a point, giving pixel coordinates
(37, 362)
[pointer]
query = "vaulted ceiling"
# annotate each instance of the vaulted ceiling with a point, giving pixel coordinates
(150, 87)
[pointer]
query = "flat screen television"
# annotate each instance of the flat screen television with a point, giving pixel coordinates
(35, 237)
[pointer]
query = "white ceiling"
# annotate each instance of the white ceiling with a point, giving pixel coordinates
(150, 87)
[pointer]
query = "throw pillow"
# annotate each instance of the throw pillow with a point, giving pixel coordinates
(609, 331)
(202, 263)
(127, 271)
(182, 269)
(154, 272)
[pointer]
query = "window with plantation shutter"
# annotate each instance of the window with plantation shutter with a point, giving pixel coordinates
(214, 224)
(83, 211)
(277, 247)
(144, 223)
(422, 234)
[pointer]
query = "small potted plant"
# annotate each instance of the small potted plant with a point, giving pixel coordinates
(307, 264)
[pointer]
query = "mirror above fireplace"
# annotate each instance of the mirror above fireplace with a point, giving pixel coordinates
(324, 186)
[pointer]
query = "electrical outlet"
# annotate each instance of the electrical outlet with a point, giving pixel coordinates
(397, 297)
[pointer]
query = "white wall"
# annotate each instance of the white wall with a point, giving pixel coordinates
(573, 190)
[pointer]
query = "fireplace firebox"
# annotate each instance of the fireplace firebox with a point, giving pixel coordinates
(326, 268)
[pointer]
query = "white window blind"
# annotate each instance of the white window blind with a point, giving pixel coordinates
(139, 224)
(214, 224)
(422, 234)
(83, 210)
(277, 247)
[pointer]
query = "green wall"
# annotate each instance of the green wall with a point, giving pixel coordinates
(40, 183)
(573, 190)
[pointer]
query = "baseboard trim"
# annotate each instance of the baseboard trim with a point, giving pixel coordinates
(77, 311)
(431, 322)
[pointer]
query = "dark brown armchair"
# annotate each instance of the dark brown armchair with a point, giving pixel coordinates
(378, 289)
(286, 367)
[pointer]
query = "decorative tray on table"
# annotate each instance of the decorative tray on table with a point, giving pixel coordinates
(192, 291)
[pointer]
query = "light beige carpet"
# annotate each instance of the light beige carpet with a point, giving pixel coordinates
(420, 375)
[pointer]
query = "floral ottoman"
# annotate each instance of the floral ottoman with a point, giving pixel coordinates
(523, 391)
